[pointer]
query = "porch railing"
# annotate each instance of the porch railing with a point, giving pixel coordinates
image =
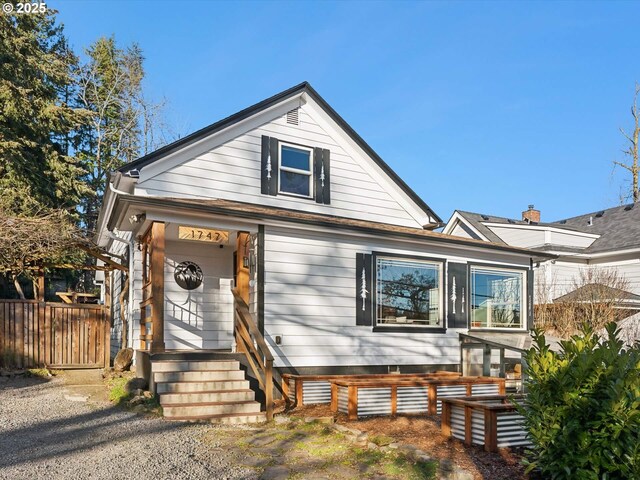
(250, 341)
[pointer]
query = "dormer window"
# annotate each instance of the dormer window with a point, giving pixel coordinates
(296, 172)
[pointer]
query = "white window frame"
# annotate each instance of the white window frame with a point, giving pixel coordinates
(427, 261)
(523, 297)
(295, 170)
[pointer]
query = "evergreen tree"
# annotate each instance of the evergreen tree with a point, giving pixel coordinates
(37, 122)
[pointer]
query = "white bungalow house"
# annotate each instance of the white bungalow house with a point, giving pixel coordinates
(604, 241)
(284, 208)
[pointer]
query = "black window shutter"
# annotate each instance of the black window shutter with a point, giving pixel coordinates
(322, 175)
(269, 166)
(457, 295)
(364, 287)
(530, 307)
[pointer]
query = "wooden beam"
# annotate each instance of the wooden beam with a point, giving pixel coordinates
(268, 388)
(446, 419)
(101, 256)
(352, 402)
(468, 425)
(334, 398)
(107, 322)
(299, 392)
(490, 431)
(432, 400)
(394, 400)
(157, 287)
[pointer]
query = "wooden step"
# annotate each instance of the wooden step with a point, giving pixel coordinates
(191, 410)
(190, 366)
(198, 376)
(194, 387)
(207, 397)
(226, 418)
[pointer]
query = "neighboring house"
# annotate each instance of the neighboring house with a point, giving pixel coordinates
(605, 241)
(335, 255)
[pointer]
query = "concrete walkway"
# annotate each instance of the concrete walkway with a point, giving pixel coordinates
(85, 385)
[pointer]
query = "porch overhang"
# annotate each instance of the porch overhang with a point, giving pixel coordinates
(125, 204)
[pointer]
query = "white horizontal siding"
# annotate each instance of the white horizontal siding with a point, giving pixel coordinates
(560, 278)
(232, 171)
(520, 237)
(117, 279)
(310, 284)
(569, 239)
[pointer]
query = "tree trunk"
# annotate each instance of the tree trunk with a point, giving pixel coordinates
(18, 287)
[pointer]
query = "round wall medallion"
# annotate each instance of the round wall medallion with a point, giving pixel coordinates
(188, 275)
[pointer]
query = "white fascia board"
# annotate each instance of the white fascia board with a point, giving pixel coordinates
(541, 228)
(457, 218)
(218, 138)
(354, 150)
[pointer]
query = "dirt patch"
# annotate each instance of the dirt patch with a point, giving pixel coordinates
(424, 433)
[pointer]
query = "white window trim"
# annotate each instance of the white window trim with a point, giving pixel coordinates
(523, 298)
(439, 265)
(295, 170)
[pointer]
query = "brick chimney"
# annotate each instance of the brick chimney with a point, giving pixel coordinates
(531, 215)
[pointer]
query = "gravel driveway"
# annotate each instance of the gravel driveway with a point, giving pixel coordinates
(44, 435)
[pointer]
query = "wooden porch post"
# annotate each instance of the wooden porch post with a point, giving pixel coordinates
(107, 319)
(157, 287)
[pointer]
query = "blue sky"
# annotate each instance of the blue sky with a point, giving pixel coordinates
(481, 106)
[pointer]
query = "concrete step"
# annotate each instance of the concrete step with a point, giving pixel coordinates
(226, 418)
(190, 366)
(207, 397)
(198, 376)
(191, 410)
(194, 387)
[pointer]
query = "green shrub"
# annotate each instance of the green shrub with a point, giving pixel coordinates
(582, 408)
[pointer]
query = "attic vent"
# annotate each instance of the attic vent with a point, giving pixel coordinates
(511, 221)
(600, 213)
(562, 222)
(629, 207)
(485, 217)
(292, 117)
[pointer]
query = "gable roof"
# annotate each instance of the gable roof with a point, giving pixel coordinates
(618, 227)
(299, 89)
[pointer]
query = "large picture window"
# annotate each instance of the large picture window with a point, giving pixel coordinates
(408, 292)
(296, 170)
(496, 298)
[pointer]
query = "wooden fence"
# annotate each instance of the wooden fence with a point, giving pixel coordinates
(58, 335)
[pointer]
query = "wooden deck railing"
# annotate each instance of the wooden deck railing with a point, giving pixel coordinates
(250, 341)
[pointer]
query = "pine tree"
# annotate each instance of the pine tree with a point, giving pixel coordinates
(37, 172)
